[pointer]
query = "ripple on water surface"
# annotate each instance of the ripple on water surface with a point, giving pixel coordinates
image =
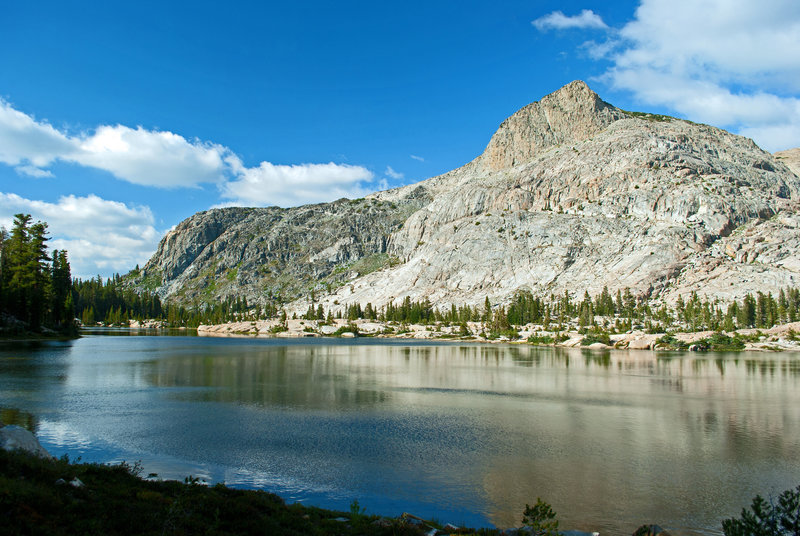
(465, 433)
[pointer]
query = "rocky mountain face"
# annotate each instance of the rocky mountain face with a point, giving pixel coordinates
(273, 254)
(570, 194)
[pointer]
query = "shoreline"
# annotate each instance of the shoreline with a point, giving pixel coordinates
(780, 338)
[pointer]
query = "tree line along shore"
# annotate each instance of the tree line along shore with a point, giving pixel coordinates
(757, 322)
(38, 295)
(778, 338)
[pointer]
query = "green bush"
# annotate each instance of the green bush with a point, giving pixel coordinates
(593, 337)
(671, 342)
(349, 328)
(541, 339)
(540, 519)
(509, 333)
(721, 342)
(768, 518)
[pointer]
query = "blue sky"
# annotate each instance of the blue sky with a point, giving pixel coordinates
(118, 120)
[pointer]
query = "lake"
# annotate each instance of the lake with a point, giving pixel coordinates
(464, 433)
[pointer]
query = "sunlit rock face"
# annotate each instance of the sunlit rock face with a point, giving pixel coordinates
(570, 194)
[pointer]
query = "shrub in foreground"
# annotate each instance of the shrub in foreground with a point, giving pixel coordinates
(768, 518)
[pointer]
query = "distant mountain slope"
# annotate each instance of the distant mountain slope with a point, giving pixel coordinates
(791, 158)
(272, 254)
(571, 194)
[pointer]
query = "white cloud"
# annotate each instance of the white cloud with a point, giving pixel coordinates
(731, 63)
(27, 143)
(151, 158)
(587, 19)
(101, 236)
(393, 174)
(33, 171)
(139, 156)
(271, 184)
(774, 137)
(417, 158)
(167, 160)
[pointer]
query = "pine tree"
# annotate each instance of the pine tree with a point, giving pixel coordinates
(61, 303)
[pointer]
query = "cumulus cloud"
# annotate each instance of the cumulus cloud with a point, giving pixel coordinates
(151, 158)
(101, 236)
(139, 156)
(731, 63)
(164, 159)
(28, 144)
(587, 19)
(291, 185)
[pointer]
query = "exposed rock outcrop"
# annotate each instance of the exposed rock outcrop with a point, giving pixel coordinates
(272, 254)
(14, 437)
(570, 194)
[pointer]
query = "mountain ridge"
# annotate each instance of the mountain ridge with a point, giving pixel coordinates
(570, 193)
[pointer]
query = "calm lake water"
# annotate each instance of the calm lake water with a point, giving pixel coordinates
(464, 433)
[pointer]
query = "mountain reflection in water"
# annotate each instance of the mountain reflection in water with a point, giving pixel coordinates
(466, 433)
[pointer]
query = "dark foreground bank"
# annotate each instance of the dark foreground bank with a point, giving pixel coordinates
(43, 495)
(55, 496)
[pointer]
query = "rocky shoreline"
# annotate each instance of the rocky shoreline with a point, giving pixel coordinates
(779, 338)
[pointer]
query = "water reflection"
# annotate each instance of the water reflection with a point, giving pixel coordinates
(18, 417)
(466, 433)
